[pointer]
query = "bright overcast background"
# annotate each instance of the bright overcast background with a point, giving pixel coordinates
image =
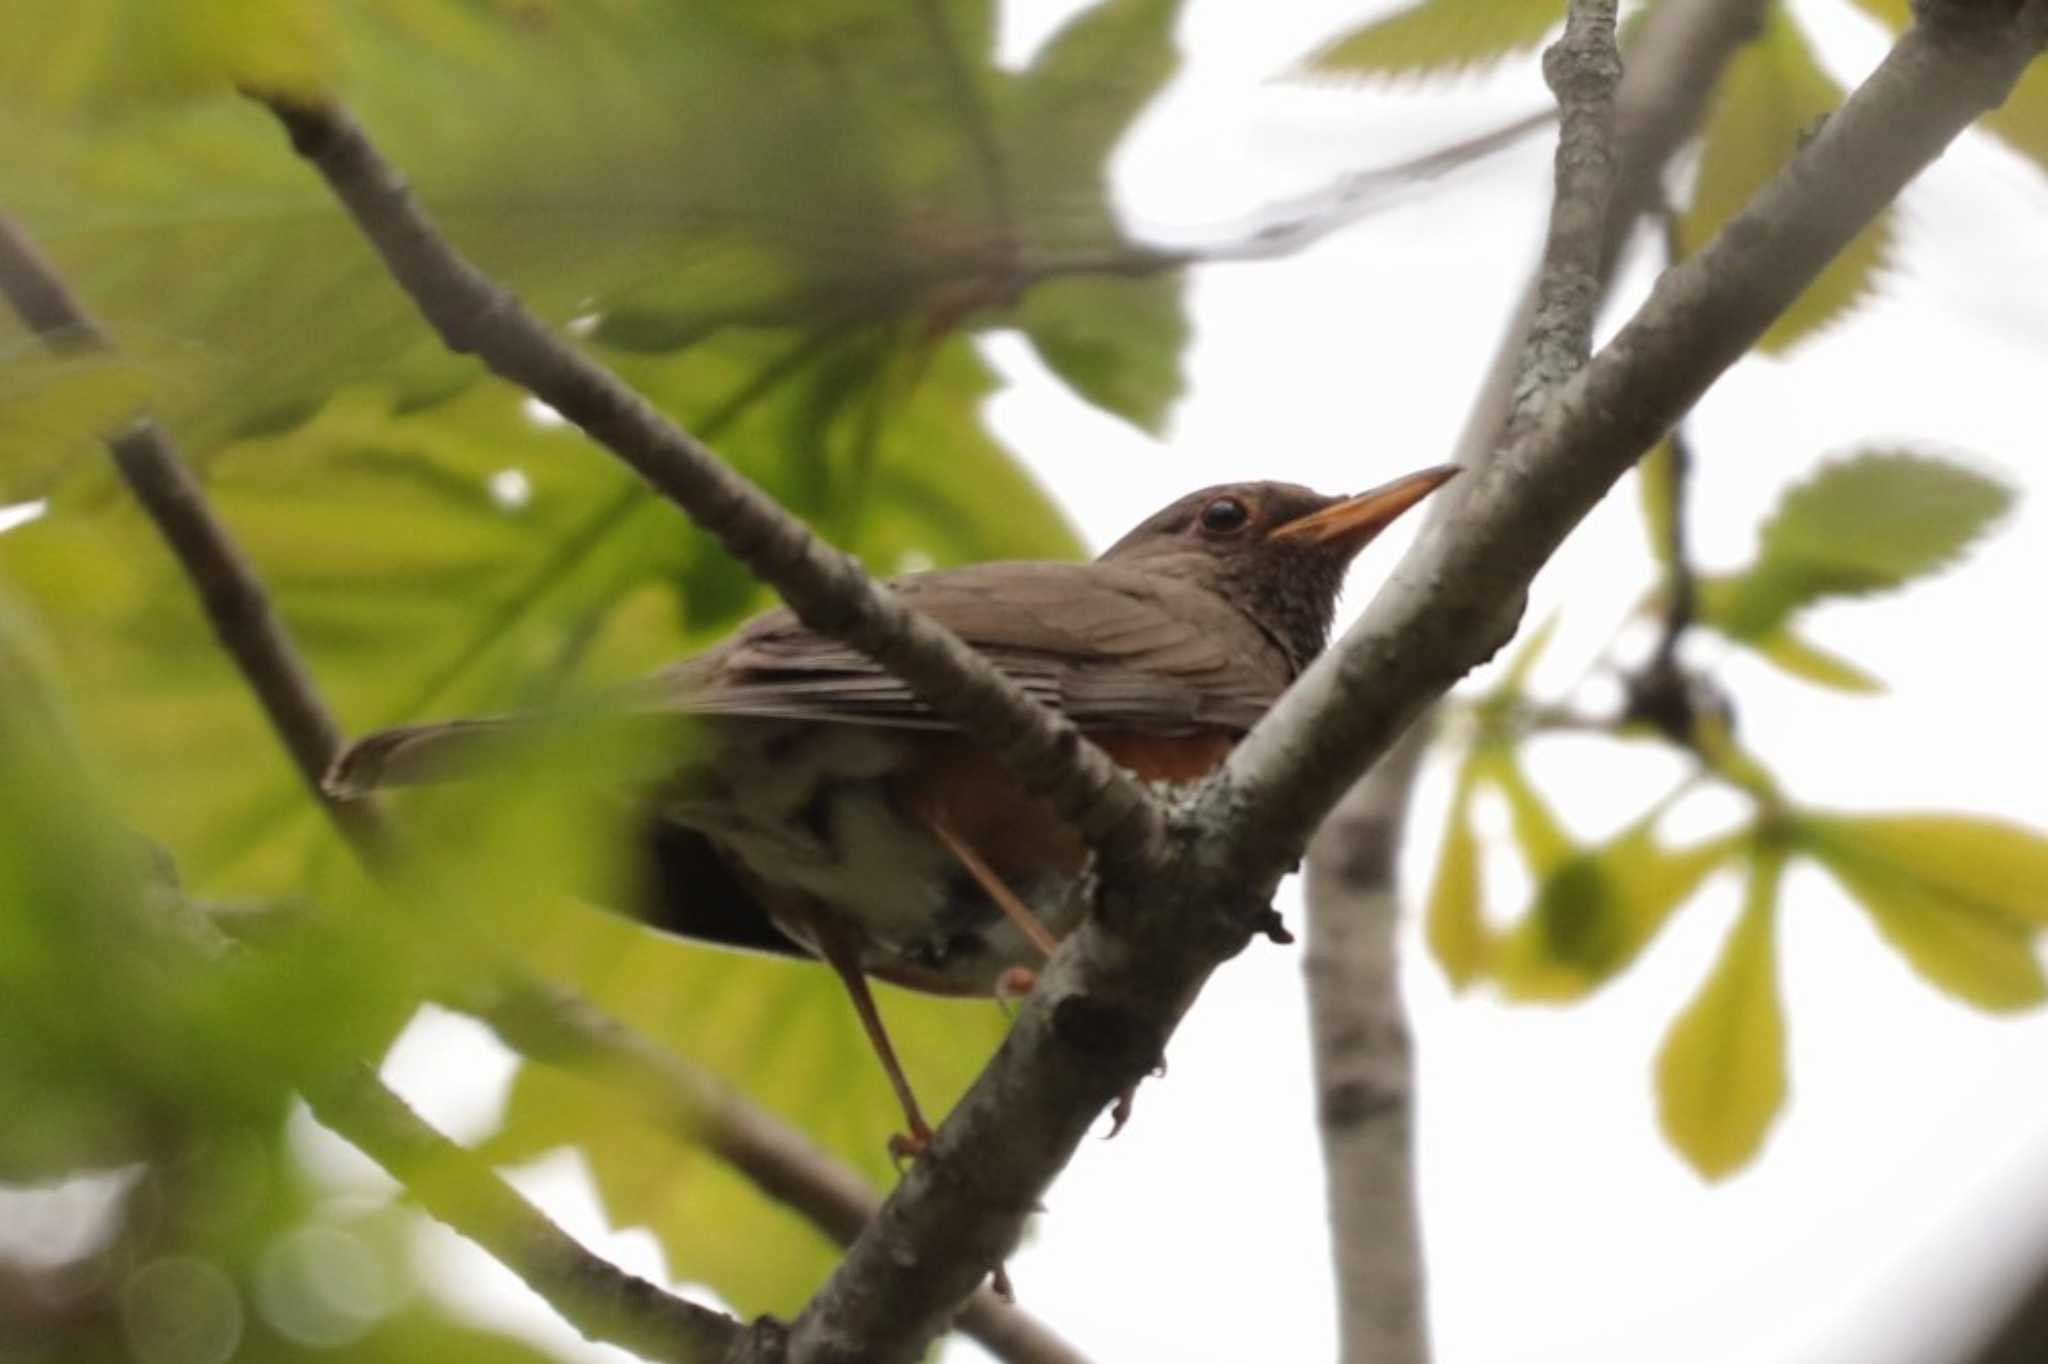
(1906, 1188)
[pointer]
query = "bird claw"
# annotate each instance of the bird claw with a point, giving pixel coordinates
(999, 1284)
(1120, 1112)
(906, 1148)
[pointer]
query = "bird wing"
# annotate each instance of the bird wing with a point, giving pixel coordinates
(1111, 648)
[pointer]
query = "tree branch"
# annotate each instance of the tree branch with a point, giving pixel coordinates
(1582, 68)
(542, 1021)
(826, 587)
(1364, 1065)
(1106, 1002)
(1441, 612)
(600, 1300)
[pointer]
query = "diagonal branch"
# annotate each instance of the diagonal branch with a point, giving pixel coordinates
(826, 587)
(541, 1021)
(597, 1298)
(1105, 1004)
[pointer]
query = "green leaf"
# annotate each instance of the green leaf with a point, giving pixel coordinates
(1996, 866)
(55, 410)
(1596, 910)
(1721, 1069)
(872, 168)
(1811, 663)
(73, 56)
(1770, 99)
(1960, 899)
(785, 1033)
(1544, 843)
(1455, 926)
(1868, 523)
(1117, 343)
(1438, 37)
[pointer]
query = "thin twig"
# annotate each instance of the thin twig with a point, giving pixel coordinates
(1672, 66)
(826, 587)
(1583, 68)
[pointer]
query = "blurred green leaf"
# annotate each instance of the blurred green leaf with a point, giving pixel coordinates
(1959, 898)
(1117, 343)
(1544, 843)
(867, 167)
(1453, 920)
(73, 55)
(55, 409)
(1998, 866)
(1439, 37)
(1597, 909)
(1772, 96)
(1721, 1069)
(1809, 662)
(1867, 523)
(784, 1032)
(125, 1014)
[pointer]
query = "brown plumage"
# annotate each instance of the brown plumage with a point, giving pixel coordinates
(826, 810)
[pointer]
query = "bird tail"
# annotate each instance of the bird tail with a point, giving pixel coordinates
(421, 755)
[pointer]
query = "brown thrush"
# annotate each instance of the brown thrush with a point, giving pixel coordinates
(825, 811)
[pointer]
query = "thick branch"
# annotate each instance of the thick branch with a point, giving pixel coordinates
(600, 1300)
(825, 587)
(1364, 1065)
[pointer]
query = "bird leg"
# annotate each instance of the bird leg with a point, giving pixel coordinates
(1018, 980)
(992, 885)
(846, 961)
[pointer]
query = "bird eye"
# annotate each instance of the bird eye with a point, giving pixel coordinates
(1224, 515)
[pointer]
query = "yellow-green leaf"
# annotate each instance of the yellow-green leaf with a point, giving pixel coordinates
(1437, 37)
(1995, 865)
(1867, 523)
(55, 409)
(1597, 910)
(1770, 99)
(1116, 342)
(1544, 842)
(1967, 926)
(64, 56)
(1721, 1069)
(1808, 661)
(1453, 920)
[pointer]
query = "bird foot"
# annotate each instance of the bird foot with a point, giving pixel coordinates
(999, 1284)
(906, 1148)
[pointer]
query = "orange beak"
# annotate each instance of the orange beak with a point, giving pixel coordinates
(1356, 520)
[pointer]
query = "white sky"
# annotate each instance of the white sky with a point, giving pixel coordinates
(1909, 1178)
